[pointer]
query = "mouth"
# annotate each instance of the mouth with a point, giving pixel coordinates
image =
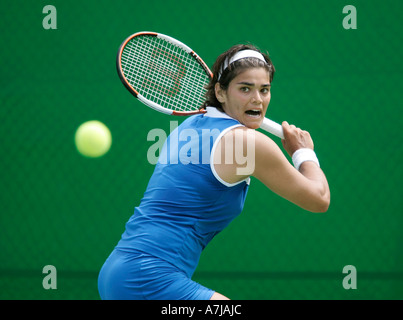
(254, 113)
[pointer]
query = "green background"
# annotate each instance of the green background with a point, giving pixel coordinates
(344, 86)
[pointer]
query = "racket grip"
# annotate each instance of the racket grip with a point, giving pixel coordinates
(272, 127)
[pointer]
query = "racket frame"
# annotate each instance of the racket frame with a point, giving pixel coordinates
(267, 124)
(135, 93)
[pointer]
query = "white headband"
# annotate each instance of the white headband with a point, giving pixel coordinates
(241, 55)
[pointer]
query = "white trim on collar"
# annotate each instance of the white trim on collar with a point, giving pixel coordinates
(213, 112)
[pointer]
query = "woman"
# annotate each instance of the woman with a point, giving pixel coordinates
(190, 199)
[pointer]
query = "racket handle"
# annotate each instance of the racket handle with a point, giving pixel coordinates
(272, 127)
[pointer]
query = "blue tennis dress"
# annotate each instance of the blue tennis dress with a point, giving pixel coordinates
(184, 206)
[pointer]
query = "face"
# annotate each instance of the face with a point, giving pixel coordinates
(247, 97)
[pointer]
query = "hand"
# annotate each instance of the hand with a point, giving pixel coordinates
(295, 138)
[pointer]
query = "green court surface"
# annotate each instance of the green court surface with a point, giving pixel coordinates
(342, 85)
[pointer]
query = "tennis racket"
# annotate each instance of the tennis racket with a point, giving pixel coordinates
(168, 76)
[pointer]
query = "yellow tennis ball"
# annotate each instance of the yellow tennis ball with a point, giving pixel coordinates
(93, 139)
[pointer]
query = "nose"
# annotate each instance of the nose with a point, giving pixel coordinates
(256, 98)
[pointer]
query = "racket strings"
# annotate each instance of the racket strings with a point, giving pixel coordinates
(153, 85)
(187, 98)
(164, 73)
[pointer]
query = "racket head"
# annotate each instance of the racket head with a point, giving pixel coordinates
(163, 73)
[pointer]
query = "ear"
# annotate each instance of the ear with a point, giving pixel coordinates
(220, 93)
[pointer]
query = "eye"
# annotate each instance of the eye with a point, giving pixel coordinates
(245, 89)
(265, 90)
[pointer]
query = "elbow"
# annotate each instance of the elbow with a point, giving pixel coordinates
(321, 200)
(317, 205)
(317, 202)
(325, 208)
(321, 205)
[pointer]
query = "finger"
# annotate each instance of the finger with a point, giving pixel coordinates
(286, 128)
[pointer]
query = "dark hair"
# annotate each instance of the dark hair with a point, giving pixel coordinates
(233, 70)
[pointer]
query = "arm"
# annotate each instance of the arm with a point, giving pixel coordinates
(307, 188)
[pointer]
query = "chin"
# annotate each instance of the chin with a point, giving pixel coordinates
(254, 124)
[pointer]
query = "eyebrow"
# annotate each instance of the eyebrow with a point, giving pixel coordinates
(252, 84)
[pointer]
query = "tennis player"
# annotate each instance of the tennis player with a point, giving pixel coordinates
(187, 203)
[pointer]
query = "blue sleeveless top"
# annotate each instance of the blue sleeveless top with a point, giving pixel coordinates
(186, 203)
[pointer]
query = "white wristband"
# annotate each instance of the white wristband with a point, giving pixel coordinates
(302, 155)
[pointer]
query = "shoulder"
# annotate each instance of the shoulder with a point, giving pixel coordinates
(241, 151)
